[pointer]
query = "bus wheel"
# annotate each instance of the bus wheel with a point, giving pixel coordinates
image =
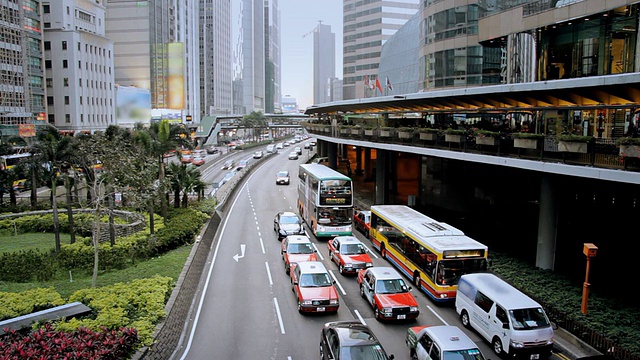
(383, 251)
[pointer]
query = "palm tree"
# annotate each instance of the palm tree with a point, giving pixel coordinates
(54, 150)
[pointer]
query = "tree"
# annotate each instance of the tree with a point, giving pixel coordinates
(253, 120)
(54, 150)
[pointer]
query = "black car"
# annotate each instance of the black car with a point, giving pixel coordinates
(350, 340)
(287, 223)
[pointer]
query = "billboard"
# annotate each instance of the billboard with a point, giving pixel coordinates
(172, 116)
(133, 105)
(175, 54)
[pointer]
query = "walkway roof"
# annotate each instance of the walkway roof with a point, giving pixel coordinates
(599, 92)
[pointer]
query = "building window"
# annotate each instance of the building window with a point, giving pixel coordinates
(66, 81)
(79, 46)
(67, 118)
(46, 9)
(47, 64)
(65, 64)
(66, 100)
(64, 45)
(52, 119)
(49, 100)
(49, 82)
(81, 118)
(80, 99)
(47, 25)
(79, 64)
(80, 82)
(47, 45)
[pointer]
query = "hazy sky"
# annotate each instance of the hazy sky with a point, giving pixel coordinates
(297, 18)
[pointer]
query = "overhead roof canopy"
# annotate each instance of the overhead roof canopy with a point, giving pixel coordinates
(599, 92)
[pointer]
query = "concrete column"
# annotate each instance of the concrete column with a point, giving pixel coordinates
(547, 223)
(332, 154)
(359, 160)
(382, 176)
(367, 163)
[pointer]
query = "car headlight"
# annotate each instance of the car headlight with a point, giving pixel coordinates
(386, 310)
(369, 264)
(306, 302)
(333, 302)
(516, 344)
(413, 309)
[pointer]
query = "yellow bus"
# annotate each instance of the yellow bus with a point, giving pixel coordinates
(325, 200)
(432, 254)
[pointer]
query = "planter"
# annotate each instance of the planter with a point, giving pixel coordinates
(630, 151)
(486, 140)
(355, 131)
(455, 138)
(385, 133)
(525, 143)
(428, 136)
(572, 146)
(345, 131)
(404, 134)
(368, 132)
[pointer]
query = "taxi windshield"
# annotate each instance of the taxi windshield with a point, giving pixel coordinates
(300, 249)
(352, 249)
(469, 354)
(392, 286)
(315, 280)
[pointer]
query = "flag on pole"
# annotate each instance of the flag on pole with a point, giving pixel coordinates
(389, 84)
(378, 85)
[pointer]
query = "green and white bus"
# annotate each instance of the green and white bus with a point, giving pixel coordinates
(325, 200)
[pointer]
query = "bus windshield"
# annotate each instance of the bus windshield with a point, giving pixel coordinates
(334, 216)
(449, 271)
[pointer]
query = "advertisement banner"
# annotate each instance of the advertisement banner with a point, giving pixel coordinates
(26, 130)
(175, 53)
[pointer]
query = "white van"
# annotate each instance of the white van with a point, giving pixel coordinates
(271, 148)
(511, 321)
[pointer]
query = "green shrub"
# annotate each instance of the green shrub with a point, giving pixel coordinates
(26, 302)
(524, 135)
(628, 141)
(574, 138)
(26, 266)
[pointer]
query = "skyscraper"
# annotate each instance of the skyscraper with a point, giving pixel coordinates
(367, 25)
(272, 56)
(156, 47)
(252, 56)
(215, 57)
(324, 62)
(22, 92)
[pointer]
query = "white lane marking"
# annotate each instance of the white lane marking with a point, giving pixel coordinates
(318, 252)
(436, 314)
(275, 302)
(337, 282)
(262, 246)
(359, 317)
(268, 273)
(236, 256)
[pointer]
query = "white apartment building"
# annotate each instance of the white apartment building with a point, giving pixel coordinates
(78, 66)
(367, 25)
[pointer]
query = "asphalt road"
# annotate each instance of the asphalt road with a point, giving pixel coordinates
(247, 309)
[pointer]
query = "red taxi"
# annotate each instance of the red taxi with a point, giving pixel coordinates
(297, 248)
(349, 254)
(385, 290)
(314, 288)
(362, 221)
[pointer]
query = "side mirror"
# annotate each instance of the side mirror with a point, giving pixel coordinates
(284, 251)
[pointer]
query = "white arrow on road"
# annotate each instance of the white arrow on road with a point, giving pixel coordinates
(236, 256)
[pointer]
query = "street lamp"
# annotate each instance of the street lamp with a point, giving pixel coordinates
(590, 251)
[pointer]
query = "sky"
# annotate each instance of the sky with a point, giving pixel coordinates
(297, 18)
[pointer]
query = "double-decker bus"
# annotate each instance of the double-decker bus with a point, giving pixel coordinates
(7, 162)
(432, 254)
(325, 200)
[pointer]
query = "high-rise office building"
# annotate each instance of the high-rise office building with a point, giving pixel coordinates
(156, 48)
(272, 69)
(324, 62)
(215, 57)
(22, 92)
(79, 66)
(367, 25)
(252, 44)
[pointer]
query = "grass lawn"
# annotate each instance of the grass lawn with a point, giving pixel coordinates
(169, 264)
